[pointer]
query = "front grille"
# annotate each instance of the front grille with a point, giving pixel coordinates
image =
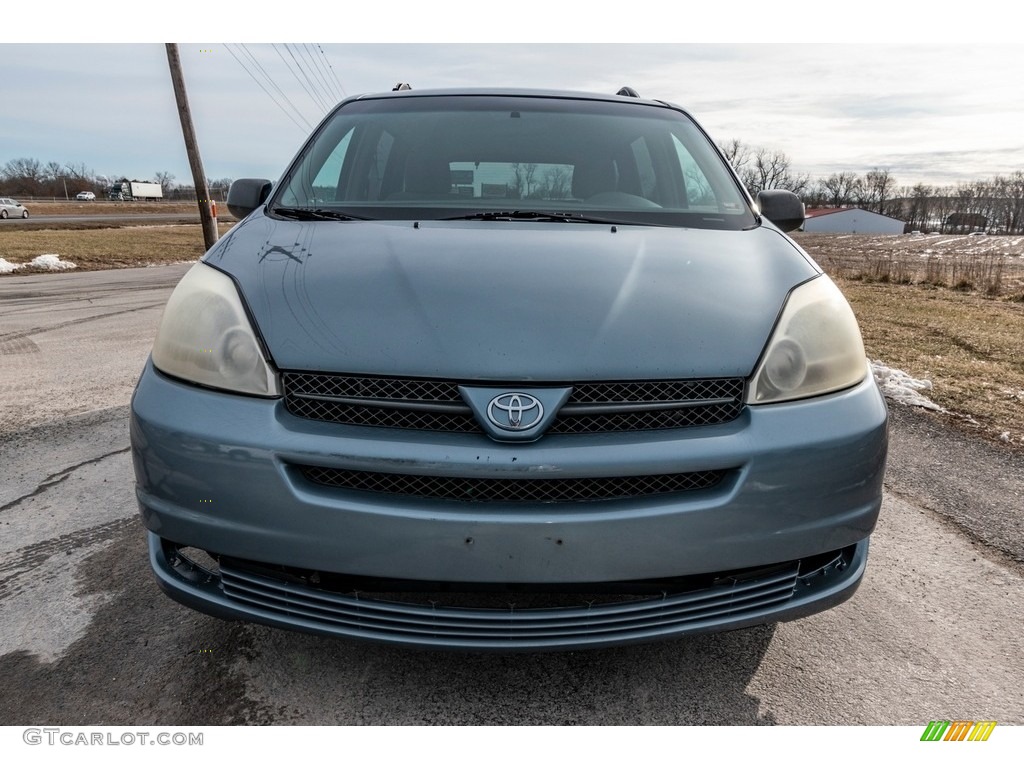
(379, 402)
(513, 490)
(436, 405)
(420, 390)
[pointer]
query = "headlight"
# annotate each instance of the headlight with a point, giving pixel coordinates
(205, 337)
(816, 347)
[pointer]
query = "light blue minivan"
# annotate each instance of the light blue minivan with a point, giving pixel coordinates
(508, 370)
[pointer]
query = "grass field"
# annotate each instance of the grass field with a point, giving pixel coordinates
(104, 207)
(992, 265)
(969, 346)
(945, 308)
(106, 248)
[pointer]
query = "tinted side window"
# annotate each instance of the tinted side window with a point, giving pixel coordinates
(325, 185)
(699, 193)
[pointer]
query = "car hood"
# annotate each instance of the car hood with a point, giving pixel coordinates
(511, 301)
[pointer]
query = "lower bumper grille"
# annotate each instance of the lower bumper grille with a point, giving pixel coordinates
(513, 490)
(506, 616)
(579, 624)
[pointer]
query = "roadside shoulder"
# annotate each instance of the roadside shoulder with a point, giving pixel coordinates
(969, 482)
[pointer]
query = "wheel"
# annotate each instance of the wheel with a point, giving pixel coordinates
(24, 214)
(3, 214)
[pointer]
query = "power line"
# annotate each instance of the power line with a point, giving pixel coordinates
(316, 70)
(314, 78)
(331, 68)
(278, 88)
(324, 100)
(290, 116)
(298, 79)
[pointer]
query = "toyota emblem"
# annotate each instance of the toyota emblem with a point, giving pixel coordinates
(515, 411)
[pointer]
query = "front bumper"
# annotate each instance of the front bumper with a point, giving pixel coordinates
(218, 472)
(515, 618)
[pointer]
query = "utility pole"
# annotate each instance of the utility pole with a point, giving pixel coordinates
(207, 209)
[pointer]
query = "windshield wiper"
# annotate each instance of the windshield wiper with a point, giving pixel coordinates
(529, 216)
(316, 214)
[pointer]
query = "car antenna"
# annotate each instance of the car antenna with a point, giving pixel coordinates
(402, 87)
(627, 91)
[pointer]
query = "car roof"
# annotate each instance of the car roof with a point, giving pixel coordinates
(523, 92)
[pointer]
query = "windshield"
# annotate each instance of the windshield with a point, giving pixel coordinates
(456, 156)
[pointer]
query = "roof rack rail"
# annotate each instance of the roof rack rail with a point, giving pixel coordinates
(402, 87)
(627, 91)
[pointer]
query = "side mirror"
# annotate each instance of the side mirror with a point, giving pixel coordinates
(781, 208)
(246, 195)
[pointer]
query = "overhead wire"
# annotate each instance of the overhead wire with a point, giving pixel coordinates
(321, 75)
(273, 83)
(272, 98)
(331, 68)
(304, 81)
(315, 75)
(277, 87)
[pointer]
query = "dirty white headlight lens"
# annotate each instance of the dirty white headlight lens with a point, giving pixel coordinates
(816, 347)
(205, 337)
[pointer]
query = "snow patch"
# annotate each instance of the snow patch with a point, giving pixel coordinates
(902, 388)
(6, 266)
(51, 261)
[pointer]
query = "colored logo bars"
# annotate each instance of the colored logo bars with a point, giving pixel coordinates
(958, 730)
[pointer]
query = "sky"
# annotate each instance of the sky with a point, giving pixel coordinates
(940, 108)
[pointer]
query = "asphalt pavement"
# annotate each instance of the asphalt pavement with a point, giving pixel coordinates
(126, 219)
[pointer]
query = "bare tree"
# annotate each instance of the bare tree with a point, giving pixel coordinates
(1013, 190)
(522, 174)
(763, 168)
(737, 154)
(53, 181)
(840, 188)
(942, 205)
(164, 179)
(555, 185)
(771, 169)
(80, 172)
(24, 176)
(878, 188)
(919, 207)
(53, 170)
(219, 187)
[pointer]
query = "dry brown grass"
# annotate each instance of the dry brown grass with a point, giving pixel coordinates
(948, 308)
(106, 207)
(970, 345)
(106, 248)
(992, 264)
(971, 348)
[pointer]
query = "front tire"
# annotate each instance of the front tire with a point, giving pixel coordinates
(24, 214)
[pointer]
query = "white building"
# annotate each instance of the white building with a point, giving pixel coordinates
(852, 220)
